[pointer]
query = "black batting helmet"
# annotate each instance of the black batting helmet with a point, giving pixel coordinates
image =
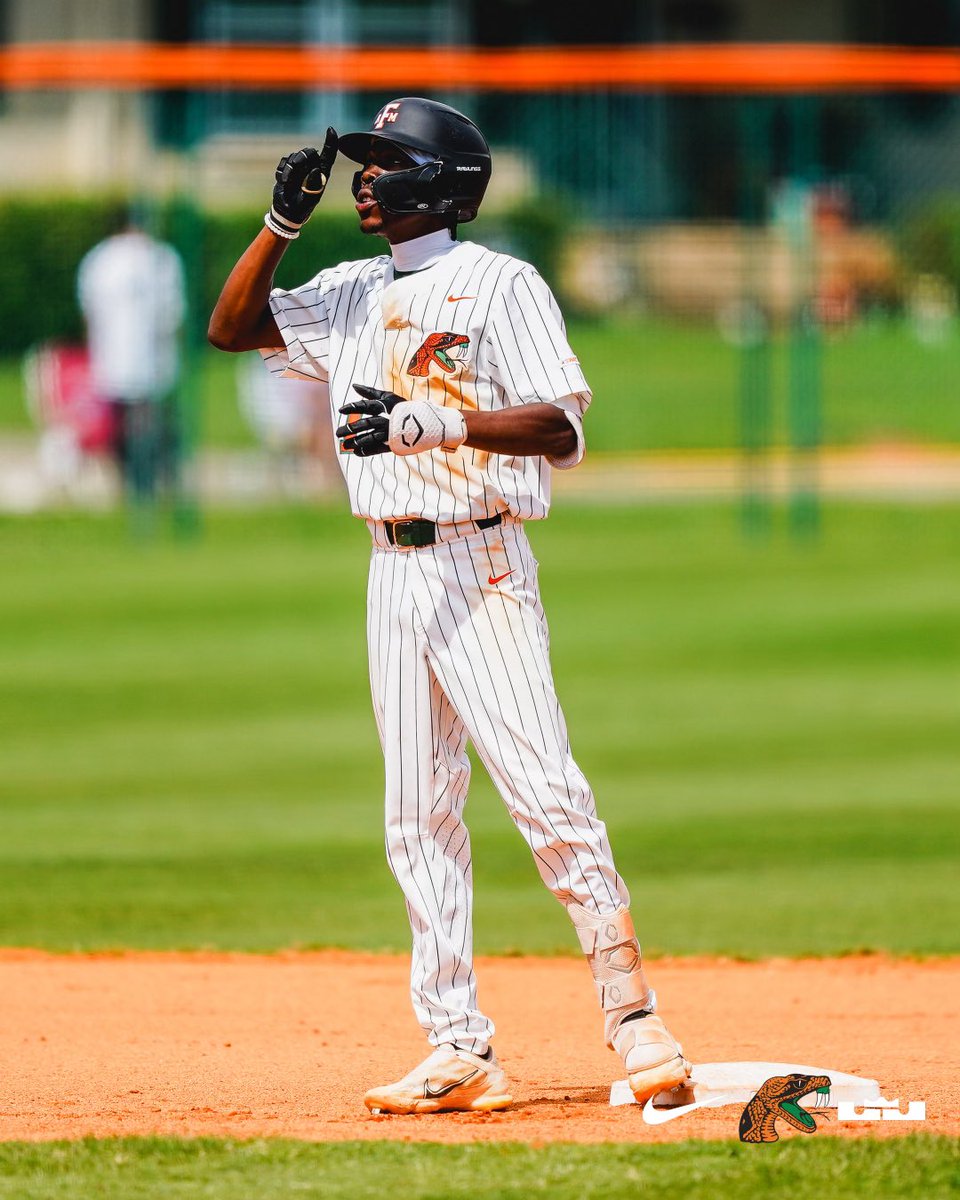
(452, 156)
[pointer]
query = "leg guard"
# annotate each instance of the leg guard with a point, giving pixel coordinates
(613, 953)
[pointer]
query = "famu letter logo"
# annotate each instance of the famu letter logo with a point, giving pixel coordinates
(387, 115)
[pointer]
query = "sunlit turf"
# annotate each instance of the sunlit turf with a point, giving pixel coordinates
(662, 384)
(166, 1169)
(189, 757)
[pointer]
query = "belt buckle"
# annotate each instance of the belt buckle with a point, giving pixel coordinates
(413, 532)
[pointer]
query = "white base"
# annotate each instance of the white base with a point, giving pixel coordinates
(739, 1082)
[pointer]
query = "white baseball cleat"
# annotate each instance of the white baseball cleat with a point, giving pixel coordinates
(652, 1056)
(450, 1080)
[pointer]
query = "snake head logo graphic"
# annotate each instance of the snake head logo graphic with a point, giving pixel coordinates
(780, 1097)
(434, 350)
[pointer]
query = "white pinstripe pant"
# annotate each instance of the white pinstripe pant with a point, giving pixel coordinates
(453, 656)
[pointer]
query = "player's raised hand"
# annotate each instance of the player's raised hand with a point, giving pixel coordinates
(384, 421)
(300, 182)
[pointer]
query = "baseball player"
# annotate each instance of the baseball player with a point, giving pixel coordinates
(454, 393)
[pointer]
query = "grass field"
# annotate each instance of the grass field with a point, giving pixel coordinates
(127, 1169)
(190, 759)
(664, 385)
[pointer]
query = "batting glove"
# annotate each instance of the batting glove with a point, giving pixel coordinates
(301, 180)
(384, 421)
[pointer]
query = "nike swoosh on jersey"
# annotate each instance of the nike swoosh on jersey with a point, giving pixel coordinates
(430, 1094)
(456, 299)
(658, 1116)
(491, 580)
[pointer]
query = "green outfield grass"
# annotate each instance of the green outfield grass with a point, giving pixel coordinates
(153, 1168)
(189, 758)
(662, 385)
(666, 385)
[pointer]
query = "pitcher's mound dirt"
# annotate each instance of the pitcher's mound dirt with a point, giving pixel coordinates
(246, 1046)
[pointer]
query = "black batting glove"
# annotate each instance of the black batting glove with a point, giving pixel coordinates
(367, 426)
(301, 180)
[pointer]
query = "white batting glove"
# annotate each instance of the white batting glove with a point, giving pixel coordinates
(416, 426)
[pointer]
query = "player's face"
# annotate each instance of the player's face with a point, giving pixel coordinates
(395, 227)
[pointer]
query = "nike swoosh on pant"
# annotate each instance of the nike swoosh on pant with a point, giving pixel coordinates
(658, 1116)
(430, 1094)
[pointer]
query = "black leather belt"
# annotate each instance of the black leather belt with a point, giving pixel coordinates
(416, 532)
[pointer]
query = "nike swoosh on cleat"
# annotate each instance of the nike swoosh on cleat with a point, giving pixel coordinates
(491, 580)
(457, 299)
(658, 1116)
(430, 1094)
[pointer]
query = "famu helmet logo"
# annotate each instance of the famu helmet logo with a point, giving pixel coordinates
(387, 115)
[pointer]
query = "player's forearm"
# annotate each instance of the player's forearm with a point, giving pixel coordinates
(526, 429)
(241, 319)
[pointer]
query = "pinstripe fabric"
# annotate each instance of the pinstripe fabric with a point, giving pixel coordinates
(453, 656)
(357, 323)
(458, 643)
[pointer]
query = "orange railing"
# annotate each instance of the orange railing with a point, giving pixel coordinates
(768, 68)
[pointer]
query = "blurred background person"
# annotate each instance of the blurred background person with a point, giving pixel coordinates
(131, 291)
(290, 419)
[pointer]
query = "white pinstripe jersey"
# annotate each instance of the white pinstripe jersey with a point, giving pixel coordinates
(477, 330)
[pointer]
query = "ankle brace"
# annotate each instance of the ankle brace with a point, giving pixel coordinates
(613, 952)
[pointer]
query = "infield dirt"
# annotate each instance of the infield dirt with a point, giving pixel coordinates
(247, 1046)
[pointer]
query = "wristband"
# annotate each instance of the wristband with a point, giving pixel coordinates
(272, 222)
(455, 431)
